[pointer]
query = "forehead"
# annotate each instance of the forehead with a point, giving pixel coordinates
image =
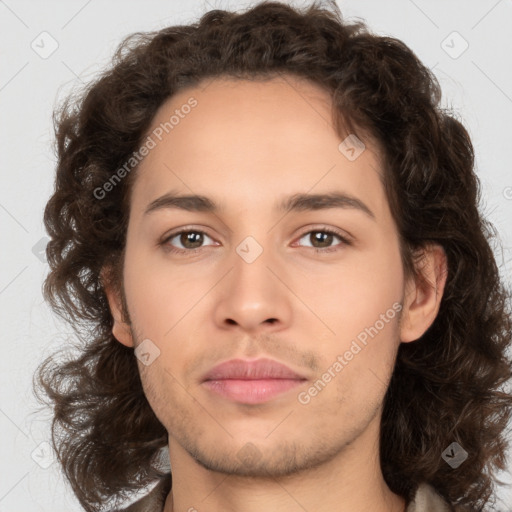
(245, 138)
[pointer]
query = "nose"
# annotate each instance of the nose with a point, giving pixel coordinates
(253, 296)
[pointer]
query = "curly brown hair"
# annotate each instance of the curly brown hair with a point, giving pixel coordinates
(447, 387)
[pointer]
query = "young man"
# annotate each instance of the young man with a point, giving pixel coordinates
(271, 232)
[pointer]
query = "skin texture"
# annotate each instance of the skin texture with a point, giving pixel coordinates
(248, 146)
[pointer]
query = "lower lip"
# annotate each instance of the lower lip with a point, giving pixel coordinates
(251, 391)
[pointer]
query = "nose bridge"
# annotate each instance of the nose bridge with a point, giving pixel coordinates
(251, 295)
(251, 261)
(250, 250)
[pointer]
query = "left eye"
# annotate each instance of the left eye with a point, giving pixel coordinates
(324, 237)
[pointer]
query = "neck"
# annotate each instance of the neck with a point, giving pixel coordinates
(351, 481)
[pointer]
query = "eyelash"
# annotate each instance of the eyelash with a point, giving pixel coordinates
(174, 250)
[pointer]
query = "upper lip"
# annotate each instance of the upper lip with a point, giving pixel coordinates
(251, 370)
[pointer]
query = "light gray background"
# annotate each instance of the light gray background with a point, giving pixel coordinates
(477, 83)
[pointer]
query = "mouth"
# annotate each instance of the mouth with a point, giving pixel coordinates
(251, 382)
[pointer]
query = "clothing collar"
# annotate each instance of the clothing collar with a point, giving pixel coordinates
(425, 499)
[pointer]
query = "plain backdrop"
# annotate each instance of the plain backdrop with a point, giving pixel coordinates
(48, 48)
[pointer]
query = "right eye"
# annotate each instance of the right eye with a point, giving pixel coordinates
(191, 241)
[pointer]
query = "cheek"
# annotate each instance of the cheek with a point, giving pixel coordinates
(161, 295)
(169, 399)
(360, 303)
(163, 305)
(354, 376)
(353, 294)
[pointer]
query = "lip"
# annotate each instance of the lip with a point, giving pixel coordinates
(251, 382)
(251, 370)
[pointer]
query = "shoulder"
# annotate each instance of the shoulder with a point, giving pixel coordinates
(153, 501)
(427, 499)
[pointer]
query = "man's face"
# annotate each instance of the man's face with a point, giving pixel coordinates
(255, 281)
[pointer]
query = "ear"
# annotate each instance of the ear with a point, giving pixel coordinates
(423, 294)
(121, 328)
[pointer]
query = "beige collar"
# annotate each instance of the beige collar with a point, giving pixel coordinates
(425, 499)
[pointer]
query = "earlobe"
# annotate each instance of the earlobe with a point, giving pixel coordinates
(120, 329)
(424, 294)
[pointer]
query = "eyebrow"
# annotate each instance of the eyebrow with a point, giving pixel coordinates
(296, 202)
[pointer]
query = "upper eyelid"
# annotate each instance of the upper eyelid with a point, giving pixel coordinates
(174, 234)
